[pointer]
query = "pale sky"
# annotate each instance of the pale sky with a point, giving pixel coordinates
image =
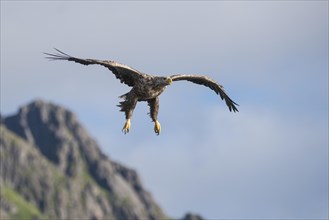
(270, 160)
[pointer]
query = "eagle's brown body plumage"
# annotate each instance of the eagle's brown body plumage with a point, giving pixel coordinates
(145, 87)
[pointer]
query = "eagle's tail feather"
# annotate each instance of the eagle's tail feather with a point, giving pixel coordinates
(123, 104)
(124, 96)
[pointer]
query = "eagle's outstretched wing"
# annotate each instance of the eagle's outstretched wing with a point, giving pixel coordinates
(206, 81)
(124, 73)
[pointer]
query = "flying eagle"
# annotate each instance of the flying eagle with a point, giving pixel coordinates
(145, 87)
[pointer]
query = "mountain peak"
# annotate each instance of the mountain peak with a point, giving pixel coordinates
(49, 112)
(58, 137)
(48, 127)
(50, 164)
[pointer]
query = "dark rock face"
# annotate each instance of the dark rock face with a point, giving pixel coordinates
(52, 167)
(190, 216)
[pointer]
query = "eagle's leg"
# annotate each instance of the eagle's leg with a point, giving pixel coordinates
(127, 107)
(157, 127)
(126, 127)
(154, 109)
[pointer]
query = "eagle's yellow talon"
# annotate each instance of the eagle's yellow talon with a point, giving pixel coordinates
(126, 127)
(157, 127)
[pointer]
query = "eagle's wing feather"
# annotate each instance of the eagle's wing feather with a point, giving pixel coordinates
(124, 73)
(210, 83)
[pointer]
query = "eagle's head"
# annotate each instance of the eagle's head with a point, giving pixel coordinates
(167, 80)
(164, 81)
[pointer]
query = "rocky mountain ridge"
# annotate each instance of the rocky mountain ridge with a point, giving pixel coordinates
(51, 168)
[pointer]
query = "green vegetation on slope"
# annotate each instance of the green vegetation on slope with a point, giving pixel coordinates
(24, 209)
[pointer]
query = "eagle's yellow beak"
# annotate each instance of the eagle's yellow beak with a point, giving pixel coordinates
(169, 81)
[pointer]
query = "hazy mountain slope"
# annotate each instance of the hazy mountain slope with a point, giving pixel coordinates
(52, 167)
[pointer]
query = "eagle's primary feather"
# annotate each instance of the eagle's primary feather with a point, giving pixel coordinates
(145, 87)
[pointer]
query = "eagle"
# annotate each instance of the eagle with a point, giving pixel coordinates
(145, 87)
